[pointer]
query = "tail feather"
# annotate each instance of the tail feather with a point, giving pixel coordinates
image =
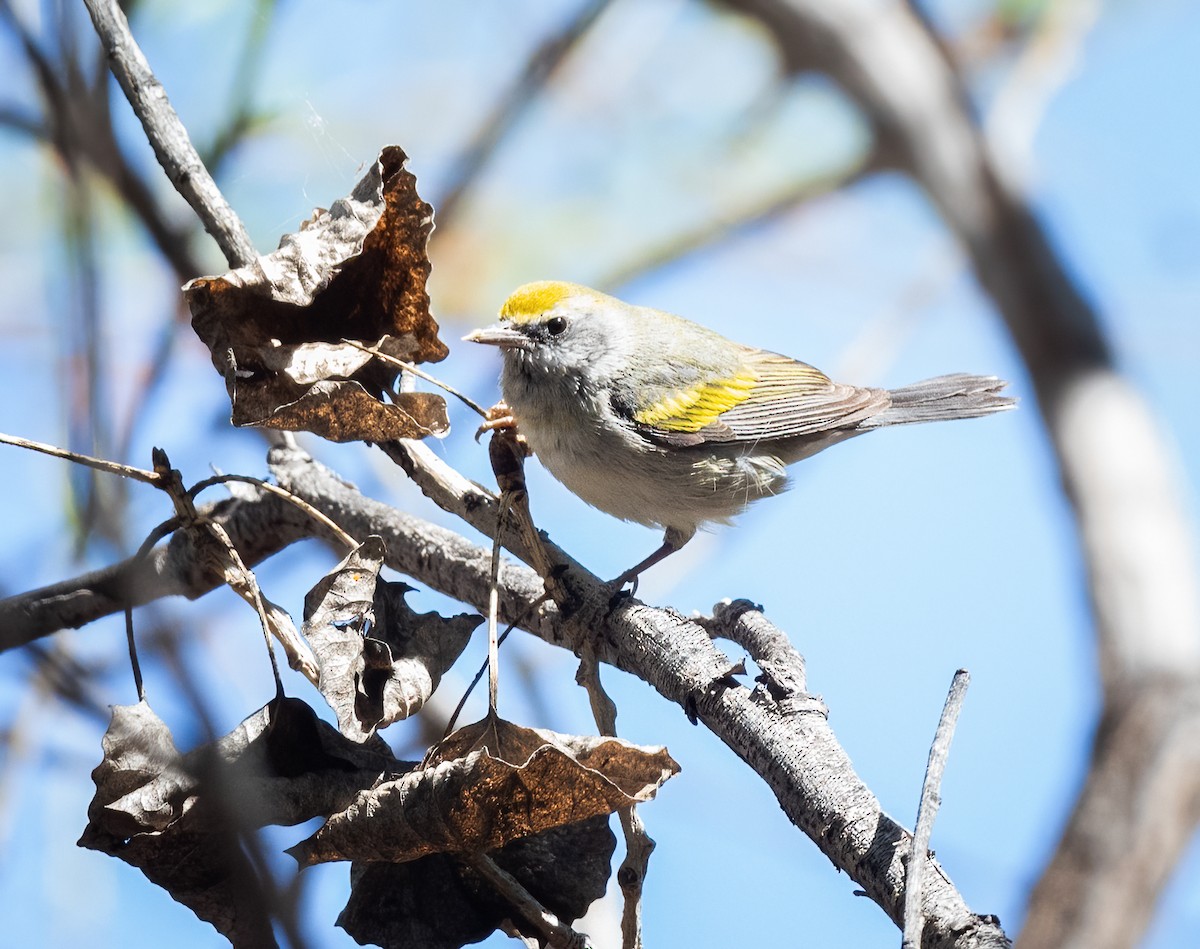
(947, 397)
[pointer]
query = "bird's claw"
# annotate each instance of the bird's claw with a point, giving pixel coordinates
(620, 592)
(619, 596)
(501, 418)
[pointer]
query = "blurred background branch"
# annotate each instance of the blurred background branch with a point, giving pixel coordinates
(1118, 468)
(507, 113)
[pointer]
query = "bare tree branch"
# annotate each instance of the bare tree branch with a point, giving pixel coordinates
(931, 800)
(257, 528)
(166, 133)
(790, 745)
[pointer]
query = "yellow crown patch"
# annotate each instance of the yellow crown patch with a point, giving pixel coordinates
(533, 299)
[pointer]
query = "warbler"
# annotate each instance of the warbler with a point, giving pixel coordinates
(655, 419)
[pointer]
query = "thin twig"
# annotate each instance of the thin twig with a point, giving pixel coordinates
(767, 209)
(914, 918)
(242, 581)
(639, 845)
(247, 588)
(493, 609)
(240, 578)
(539, 67)
(274, 489)
(100, 464)
(133, 656)
(506, 456)
(479, 674)
(166, 133)
(416, 371)
(486, 664)
(548, 926)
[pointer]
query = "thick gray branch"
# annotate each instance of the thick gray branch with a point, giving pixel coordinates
(799, 757)
(257, 528)
(790, 746)
(786, 740)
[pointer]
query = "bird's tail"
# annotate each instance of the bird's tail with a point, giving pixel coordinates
(946, 397)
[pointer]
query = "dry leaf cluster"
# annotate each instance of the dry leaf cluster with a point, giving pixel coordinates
(281, 329)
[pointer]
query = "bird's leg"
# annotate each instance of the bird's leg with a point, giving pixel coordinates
(632, 573)
(673, 539)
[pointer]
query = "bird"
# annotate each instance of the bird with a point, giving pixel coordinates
(655, 419)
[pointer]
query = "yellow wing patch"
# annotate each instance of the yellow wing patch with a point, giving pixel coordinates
(690, 410)
(533, 299)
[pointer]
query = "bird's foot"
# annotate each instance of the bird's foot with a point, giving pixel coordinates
(617, 591)
(501, 418)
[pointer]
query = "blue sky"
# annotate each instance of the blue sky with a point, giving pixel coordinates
(895, 559)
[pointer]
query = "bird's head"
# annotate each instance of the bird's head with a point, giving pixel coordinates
(561, 330)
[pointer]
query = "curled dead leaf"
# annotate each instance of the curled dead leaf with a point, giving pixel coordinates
(510, 782)
(437, 902)
(276, 327)
(180, 818)
(379, 661)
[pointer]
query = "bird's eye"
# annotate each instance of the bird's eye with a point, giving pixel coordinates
(556, 325)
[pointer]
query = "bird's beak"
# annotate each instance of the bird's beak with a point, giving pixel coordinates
(500, 335)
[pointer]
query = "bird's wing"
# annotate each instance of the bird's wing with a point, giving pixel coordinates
(769, 397)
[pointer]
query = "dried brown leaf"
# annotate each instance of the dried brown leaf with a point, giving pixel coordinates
(511, 782)
(343, 411)
(379, 661)
(356, 272)
(439, 903)
(180, 818)
(141, 783)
